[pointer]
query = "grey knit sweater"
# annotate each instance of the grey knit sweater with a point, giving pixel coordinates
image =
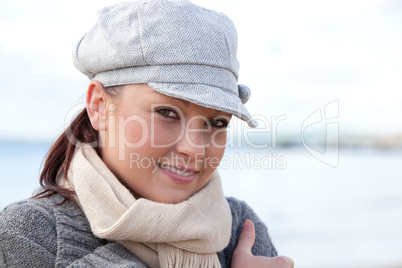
(35, 233)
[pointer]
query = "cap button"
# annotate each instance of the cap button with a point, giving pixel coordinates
(244, 93)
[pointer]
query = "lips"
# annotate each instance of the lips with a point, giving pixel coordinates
(177, 171)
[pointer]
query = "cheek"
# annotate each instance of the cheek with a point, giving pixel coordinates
(216, 150)
(134, 131)
(218, 139)
(214, 158)
(149, 141)
(166, 135)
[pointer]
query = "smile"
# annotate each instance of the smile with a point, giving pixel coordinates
(178, 172)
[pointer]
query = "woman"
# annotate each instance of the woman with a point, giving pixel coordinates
(132, 182)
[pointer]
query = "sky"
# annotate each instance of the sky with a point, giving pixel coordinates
(296, 56)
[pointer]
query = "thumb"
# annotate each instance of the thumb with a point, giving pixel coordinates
(247, 236)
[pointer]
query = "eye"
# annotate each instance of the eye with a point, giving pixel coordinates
(218, 122)
(168, 113)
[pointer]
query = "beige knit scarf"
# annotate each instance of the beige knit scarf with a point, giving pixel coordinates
(188, 234)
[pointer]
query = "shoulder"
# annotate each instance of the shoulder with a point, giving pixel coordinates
(46, 231)
(28, 215)
(38, 211)
(240, 209)
(241, 212)
(32, 218)
(28, 230)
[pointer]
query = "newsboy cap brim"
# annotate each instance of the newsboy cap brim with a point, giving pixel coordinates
(207, 96)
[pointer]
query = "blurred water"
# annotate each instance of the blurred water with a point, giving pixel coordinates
(20, 165)
(349, 216)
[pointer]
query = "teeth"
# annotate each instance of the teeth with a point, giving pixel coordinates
(178, 172)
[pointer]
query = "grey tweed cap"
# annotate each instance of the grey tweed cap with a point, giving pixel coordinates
(179, 49)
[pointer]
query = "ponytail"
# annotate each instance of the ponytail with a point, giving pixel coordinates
(60, 154)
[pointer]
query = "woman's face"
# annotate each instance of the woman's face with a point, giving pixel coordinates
(162, 148)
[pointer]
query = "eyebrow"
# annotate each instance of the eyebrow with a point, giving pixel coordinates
(186, 103)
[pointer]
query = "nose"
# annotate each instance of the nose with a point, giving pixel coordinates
(193, 141)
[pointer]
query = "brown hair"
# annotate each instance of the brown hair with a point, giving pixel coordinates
(61, 153)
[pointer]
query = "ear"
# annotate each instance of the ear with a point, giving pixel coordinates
(96, 105)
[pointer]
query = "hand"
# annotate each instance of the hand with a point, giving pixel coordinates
(242, 256)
